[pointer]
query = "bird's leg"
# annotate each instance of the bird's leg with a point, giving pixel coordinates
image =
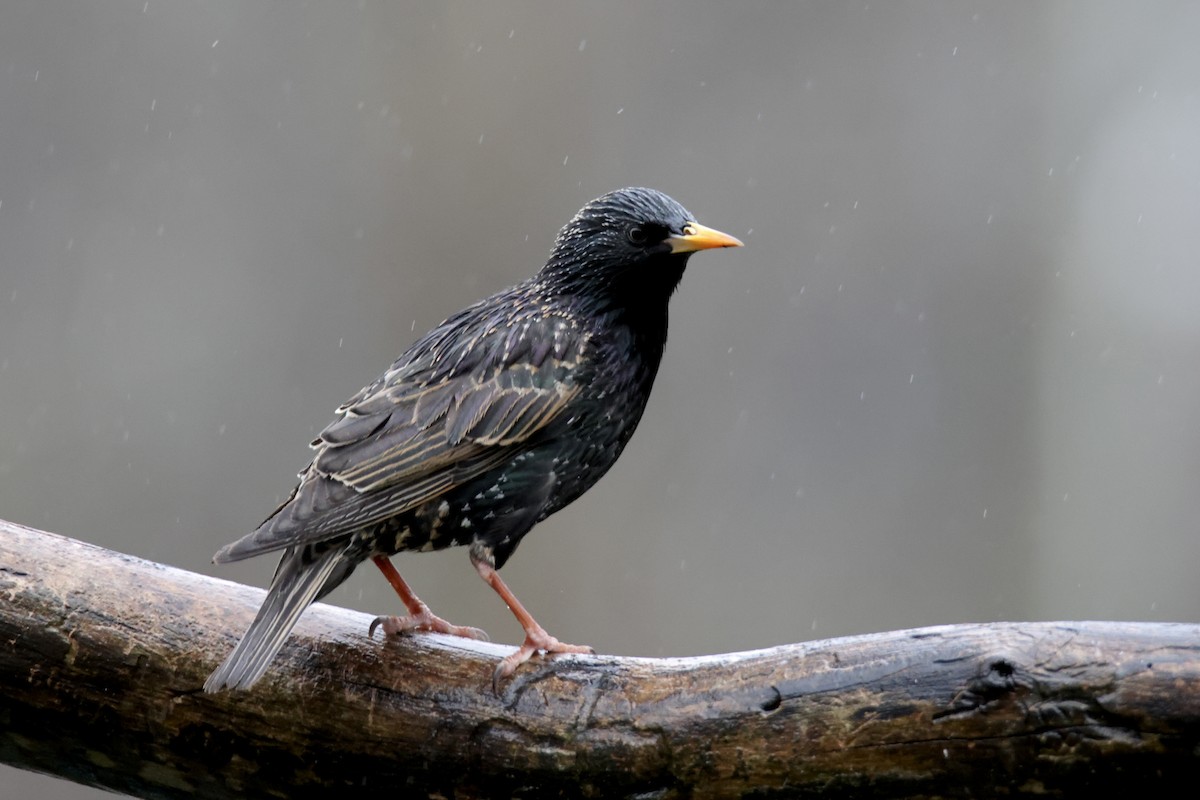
(419, 618)
(536, 637)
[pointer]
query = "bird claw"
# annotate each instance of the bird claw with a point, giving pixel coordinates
(534, 643)
(425, 622)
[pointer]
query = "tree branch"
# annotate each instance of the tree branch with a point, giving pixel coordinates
(103, 657)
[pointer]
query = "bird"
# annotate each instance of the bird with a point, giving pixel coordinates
(495, 419)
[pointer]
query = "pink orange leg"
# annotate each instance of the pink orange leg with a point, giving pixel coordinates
(536, 637)
(419, 618)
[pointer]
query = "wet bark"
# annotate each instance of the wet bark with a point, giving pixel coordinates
(102, 656)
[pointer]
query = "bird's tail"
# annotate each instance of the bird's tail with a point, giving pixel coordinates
(300, 578)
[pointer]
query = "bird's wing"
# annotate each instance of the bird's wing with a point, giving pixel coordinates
(461, 405)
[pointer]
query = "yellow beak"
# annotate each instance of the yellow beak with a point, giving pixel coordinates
(697, 237)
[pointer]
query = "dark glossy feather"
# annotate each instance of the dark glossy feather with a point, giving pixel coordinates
(422, 429)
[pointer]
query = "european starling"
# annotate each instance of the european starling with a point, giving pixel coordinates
(491, 422)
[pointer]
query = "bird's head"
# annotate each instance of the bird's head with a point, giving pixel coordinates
(626, 246)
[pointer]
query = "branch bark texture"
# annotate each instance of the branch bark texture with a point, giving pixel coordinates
(102, 657)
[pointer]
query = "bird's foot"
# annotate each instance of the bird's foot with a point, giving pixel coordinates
(535, 640)
(426, 621)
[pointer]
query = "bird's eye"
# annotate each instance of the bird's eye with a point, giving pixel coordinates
(638, 235)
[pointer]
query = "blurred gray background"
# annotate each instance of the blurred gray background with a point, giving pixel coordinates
(954, 376)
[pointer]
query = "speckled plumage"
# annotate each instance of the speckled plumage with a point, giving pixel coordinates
(495, 419)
